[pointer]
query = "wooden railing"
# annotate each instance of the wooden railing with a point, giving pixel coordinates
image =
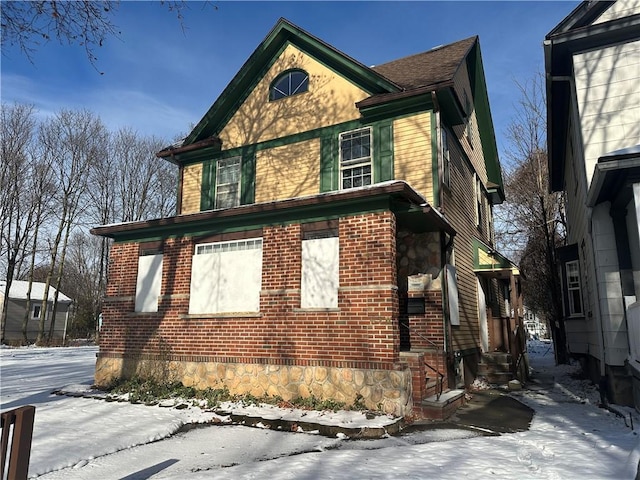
(17, 430)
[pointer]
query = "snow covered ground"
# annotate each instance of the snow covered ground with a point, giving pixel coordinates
(89, 438)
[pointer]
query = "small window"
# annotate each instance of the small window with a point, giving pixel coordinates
(446, 159)
(289, 83)
(36, 311)
(355, 158)
(574, 290)
(227, 183)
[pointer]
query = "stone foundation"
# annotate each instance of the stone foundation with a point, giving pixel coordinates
(389, 391)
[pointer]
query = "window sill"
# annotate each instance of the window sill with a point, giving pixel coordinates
(314, 309)
(191, 316)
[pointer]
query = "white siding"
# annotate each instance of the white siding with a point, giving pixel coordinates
(620, 9)
(606, 83)
(609, 289)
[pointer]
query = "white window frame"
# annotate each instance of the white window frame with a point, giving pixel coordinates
(277, 93)
(35, 316)
(237, 183)
(360, 162)
(572, 271)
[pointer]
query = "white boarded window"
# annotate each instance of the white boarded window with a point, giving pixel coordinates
(320, 270)
(452, 294)
(226, 277)
(148, 283)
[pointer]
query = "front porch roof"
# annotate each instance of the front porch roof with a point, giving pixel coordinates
(613, 175)
(489, 263)
(412, 211)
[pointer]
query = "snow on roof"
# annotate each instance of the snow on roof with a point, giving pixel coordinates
(18, 291)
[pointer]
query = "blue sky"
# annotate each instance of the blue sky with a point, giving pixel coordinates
(160, 79)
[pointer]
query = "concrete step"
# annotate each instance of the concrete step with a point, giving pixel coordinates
(495, 357)
(498, 378)
(440, 408)
(487, 368)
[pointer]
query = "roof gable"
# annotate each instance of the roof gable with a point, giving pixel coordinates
(19, 289)
(283, 34)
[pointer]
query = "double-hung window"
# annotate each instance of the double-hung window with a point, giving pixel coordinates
(36, 312)
(355, 159)
(228, 182)
(574, 291)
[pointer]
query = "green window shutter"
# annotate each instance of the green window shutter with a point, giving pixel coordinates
(248, 178)
(383, 153)
(207, 194)
(329, 170)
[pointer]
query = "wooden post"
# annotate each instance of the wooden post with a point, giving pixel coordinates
(22, 420)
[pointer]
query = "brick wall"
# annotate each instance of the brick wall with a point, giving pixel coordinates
(362, 332)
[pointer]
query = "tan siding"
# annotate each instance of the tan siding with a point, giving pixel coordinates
(191, 188)
(288, 171)
(412, 153)
(459, 209)
(331, 99)
(474, 150)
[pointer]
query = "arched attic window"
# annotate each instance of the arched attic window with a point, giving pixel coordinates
(289, 83)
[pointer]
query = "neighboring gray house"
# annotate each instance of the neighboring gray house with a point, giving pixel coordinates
(592, 62)
(18, 303)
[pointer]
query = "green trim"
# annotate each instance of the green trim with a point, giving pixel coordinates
(247, 178)
(485, 122)
(435, 155)
(383, 168)
(329, 172)
(397, 108)
(251, 221)
(205, 154)
(502, 262)
(263, 57)
(207, 196)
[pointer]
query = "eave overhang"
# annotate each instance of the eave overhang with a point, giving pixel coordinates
(396, 196)
(173, 153)
(489, 263)
(559, 48)
(613, 176)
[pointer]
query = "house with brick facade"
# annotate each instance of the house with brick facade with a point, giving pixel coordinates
(334, 236)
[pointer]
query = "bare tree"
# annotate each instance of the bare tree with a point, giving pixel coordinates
(87, 23)
(531, 225)
(73, 140)
(18, 202)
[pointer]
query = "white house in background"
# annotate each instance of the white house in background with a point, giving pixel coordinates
(592, 63)
(17, 306)
(534, 325)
